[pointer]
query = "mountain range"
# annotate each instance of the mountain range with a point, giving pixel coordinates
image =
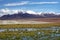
(24, 15)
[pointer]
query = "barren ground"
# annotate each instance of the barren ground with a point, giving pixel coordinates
(31, 21)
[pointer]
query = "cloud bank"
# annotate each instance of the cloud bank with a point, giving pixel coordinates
(16, 4)
(44, 2)
(28, 3)
(8, 11)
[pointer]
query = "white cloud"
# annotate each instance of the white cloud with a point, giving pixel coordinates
(16, 4)
(7, 11)
(29, 3)
(44, 2)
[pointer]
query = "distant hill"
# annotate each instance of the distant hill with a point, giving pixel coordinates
(23, 15)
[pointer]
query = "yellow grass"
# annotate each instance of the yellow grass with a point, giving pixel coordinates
(29, 25)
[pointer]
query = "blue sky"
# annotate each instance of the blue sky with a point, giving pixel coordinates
(34, 5)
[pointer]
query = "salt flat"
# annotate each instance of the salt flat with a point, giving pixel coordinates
(21, 22)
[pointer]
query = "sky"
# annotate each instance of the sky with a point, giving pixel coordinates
(12, 6)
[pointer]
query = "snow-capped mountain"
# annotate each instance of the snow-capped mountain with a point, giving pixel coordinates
(29, 14)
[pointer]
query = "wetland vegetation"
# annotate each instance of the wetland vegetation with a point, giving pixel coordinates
(30, 32)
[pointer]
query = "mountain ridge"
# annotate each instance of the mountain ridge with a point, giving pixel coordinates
(23, 15)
